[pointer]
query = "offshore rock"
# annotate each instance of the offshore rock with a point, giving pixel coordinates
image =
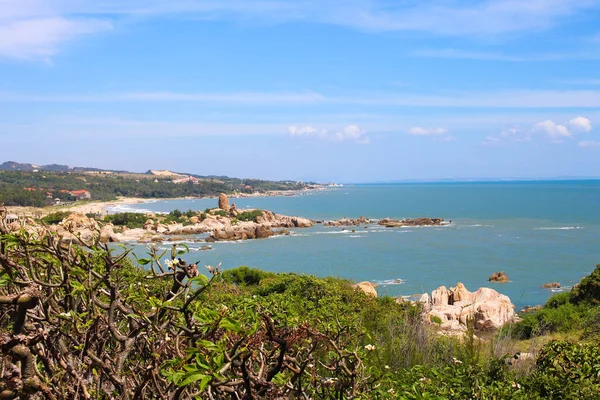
(223, 202)
(553, 285)
(394, 223)
(499, 277)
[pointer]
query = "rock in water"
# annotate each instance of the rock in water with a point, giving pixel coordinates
(553, 285)
(223, 202)
(499, 277)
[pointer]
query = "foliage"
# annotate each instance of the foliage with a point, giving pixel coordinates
(129, 219)
(56, 217)
(588, 290)
(109, 186)
(249, 215)
(81, 321)
(222, 213)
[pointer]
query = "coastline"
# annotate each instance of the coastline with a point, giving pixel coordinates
(101, 207)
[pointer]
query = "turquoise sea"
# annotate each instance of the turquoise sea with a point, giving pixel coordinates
(535, 231)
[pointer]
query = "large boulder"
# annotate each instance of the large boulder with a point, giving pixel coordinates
(367, 287)
(455, 306)
(223, 202)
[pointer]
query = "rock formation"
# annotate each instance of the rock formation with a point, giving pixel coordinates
(367, 287)
(499, 277)
(486, 307)
(348, 222)
(394, 223)
(553, 285)
(223, 202)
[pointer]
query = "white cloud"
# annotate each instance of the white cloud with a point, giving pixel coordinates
(41, 38)
(581, 124)
(547, 129)
(589, 144)
(418, 131)
(552, 130)
(350, 133)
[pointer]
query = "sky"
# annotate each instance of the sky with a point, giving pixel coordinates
(320, 90)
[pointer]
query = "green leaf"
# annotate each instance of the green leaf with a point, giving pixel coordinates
(193, 378)
(230, 325)
(144, 261)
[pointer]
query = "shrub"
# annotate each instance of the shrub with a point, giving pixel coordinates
(588, 290)
(56, 217)
(128, 219)
(222, 213)
(249, 215)
(245, 276)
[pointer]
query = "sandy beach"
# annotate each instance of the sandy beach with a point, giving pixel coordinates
(101, 207)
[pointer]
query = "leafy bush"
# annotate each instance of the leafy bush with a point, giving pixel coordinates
(245, 276)
(222, 213)
(588, 290)
(56, 217)
(128, 219)
(249, 215)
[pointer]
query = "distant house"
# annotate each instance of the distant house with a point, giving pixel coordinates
(81, 194)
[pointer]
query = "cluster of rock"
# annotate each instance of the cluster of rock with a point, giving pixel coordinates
(499, 277)
(451, 308)
(349, 222)
(368, 288)
(394, 223)
(552, 285)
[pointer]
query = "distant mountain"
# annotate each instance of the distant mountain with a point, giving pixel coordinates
(15, 166)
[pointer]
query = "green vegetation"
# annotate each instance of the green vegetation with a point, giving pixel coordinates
(109, 186)
(84, 321)
(56, 217)
(249, 215)
(565, 312)
(129, 219)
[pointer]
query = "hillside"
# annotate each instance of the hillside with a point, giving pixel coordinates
(28, 185)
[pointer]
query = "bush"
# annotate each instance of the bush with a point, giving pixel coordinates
(56, 217)
(249, 215)
(588, 290)
(245, 276)
(128, 219)
(222, 213)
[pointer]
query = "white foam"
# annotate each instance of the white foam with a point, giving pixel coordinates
(558, 228)
(396, 281)
(356, 236)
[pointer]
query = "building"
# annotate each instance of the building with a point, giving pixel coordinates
(81, 194)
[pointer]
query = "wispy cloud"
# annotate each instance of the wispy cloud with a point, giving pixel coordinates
(467, 99)
(499, 56)
(589, 144)
(38, 29)
(418, 131)
(350, 133)
(547, 129)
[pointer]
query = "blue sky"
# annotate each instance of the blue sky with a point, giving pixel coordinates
(344, 90)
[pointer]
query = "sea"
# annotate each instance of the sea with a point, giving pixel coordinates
(535, 231)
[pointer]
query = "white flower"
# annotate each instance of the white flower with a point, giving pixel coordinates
(370, 347)
(175, 262)
(391, 391)
(169, 263)
(387, 367)
(516, 385)
(456, 360)
(330, 381)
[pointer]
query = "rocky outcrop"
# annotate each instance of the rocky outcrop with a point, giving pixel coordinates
(223, 202)
(499, 277)
(367, 288)
(553, 285)
(407, 222)
(348, 222)
(451, 308)
(242, 231)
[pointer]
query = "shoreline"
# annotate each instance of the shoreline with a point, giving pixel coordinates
(101, 207)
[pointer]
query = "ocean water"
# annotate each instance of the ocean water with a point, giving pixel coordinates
(537, 232)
